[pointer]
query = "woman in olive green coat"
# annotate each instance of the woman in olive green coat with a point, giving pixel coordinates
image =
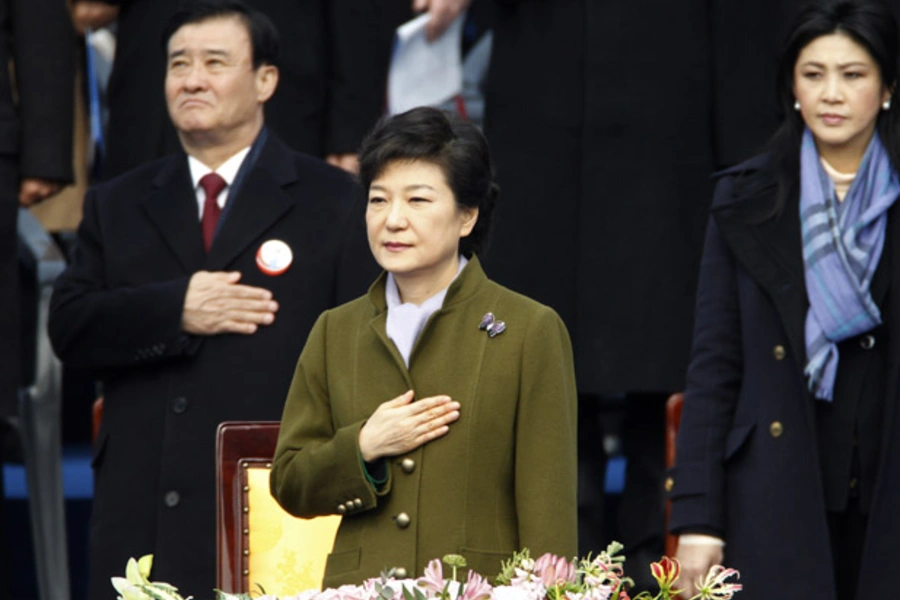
(438, 412)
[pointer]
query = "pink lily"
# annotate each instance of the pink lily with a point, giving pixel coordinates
(554, 570)
(433, 577)
(476, 588)
(714, 587)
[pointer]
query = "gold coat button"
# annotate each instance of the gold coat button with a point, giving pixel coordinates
(402, 520)
(348, 506)
(853, 482)
(400, 573)
(670, 483)
(408, 465)
(779, 352)
(341, 509)
(357, 503)
(776, 429)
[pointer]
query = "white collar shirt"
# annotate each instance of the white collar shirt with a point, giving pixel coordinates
(228, 171)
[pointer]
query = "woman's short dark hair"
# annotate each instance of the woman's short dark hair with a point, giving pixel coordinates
(869, 23)
(265, 43)
(456, 146)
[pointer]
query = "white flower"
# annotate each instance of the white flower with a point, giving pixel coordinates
(512, 592)
(136, 584)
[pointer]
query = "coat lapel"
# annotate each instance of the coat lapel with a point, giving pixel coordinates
(259, 203)
(378, 324)
(172, 208)
(771, 251)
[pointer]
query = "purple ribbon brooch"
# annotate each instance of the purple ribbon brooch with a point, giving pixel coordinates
(492, 325)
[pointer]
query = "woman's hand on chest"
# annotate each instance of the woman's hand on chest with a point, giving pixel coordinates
(400, 425)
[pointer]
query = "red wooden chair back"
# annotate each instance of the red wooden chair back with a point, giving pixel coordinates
(258, 543)
(96, 418)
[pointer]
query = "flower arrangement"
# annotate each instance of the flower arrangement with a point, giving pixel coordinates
(548, 577)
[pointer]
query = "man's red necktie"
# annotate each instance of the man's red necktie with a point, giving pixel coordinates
(212, 184)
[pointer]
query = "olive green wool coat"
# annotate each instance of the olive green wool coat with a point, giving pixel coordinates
(503, 478)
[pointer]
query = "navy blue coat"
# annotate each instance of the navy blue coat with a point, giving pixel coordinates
(748, 463)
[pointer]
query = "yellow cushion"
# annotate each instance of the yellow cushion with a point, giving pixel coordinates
(286, 554)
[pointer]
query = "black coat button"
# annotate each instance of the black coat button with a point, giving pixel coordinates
(172, 499)
(867, 342)
(179, 405)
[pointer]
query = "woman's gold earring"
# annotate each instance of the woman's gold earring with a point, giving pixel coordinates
(887, 104)
(797, 105)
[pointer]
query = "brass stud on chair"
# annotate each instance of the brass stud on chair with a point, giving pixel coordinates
(246, 531)
(246, 488)
(246, 572)
(246, 509)
(246, 553)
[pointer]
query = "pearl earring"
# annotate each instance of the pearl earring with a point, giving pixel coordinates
(887, 104)
(797, 105)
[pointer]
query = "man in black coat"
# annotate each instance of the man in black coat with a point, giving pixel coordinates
(298, 112)
(185, 338)
(35, 156)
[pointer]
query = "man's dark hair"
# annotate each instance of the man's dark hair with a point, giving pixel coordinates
(456, 146)
(264, 39)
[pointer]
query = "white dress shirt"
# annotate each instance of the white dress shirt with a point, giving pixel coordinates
(228, 170)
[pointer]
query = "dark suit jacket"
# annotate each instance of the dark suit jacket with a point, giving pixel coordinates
(361, 34)
(117, 310)
(747, 456)
(36, 36)
(582, 118)
(139, 127)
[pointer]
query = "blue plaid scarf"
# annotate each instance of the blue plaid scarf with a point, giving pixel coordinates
(842, 244)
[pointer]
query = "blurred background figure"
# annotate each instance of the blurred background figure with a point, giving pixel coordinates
(598, 114)
(35, 161)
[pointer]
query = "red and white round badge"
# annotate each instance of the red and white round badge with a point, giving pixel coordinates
(274, 257)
